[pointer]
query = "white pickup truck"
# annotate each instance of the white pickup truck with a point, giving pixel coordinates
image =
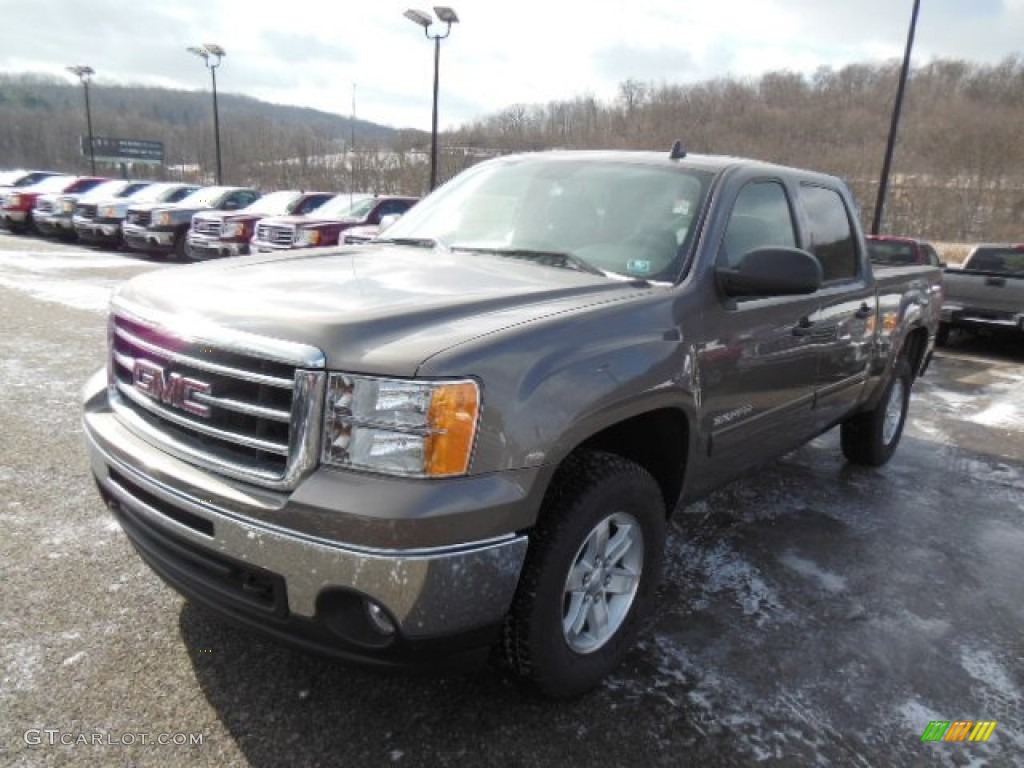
(986, 292)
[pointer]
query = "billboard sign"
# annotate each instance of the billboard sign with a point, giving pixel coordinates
(109, 150)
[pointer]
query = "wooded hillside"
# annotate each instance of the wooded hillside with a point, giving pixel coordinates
(958, 168)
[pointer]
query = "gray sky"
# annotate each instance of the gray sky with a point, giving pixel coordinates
(312, 52)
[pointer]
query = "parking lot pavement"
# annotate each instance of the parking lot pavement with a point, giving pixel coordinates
(813, 613)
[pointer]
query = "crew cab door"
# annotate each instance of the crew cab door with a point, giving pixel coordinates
(757, 367)
(841, 329)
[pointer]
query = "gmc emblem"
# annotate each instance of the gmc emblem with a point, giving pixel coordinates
(173, 389)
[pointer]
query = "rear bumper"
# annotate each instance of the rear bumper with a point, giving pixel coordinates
(980, 319)
(308, 590)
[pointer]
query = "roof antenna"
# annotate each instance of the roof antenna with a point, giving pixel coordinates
(677, 152)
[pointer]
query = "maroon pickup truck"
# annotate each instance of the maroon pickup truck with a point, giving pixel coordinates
(216, 234)
(325, 225)
(893, 251)
(16, 205)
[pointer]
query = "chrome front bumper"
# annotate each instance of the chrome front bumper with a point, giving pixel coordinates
(428, 592)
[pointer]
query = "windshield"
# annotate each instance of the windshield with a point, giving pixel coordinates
(105, 191)
(339, 206)
(595, 214)
(154, 193)
(274, 204)
(892, 253)
(206, 196)
(1008, 259)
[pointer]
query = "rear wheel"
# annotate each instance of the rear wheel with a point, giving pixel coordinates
(871, 437)
(589, 576)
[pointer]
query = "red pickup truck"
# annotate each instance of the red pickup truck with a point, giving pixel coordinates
(17, 204)
(893, 251)
(325, 225)
(216, 234)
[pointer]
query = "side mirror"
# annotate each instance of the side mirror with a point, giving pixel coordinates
(772, 271)
(387, 221)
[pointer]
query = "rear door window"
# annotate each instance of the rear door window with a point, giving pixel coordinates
(830, 231)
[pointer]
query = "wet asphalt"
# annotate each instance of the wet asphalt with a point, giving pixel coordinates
(813, 613)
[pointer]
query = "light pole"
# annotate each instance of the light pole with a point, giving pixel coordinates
(211, 54)
(84, 72)
(446, 15)
(890, 145)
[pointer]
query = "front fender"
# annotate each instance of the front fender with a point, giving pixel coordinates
(551, 384)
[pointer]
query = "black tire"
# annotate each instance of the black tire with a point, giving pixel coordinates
(591, 491)
(871, 437)
(180, 247)
(942, 335)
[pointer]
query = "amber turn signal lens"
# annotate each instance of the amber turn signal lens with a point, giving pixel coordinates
(452, 423)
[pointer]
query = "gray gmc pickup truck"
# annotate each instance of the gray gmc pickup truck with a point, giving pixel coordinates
(469, 436)
(986, 294)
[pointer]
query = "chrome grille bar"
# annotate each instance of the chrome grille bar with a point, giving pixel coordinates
(229, 437)
(205, 365)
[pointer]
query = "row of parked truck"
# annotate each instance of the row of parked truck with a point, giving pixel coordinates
(188, 221)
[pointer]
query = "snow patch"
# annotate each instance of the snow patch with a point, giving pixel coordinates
(1002, 415)
(983, 667)
(830, 582)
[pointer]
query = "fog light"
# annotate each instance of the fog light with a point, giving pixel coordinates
(379, 619)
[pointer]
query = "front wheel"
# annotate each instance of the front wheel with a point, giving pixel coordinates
(590, 573)
(181, 249)
(871, 437)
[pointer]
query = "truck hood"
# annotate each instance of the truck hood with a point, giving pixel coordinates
(305, 221)
(226, 216)
(381, 310)
(142, 207)
(179, 211)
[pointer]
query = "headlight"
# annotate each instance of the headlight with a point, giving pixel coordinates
(308, 237)
(67, 207)
(163, 219)
(400, 427)
(12, 201)
(232, 229)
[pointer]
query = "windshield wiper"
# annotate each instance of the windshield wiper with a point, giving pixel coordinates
(547, 258)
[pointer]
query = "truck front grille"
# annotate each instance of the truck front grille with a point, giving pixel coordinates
(275, 235)
(141, 218)
(44, 206)
(85, 211)
(232, 407)
(209, 227)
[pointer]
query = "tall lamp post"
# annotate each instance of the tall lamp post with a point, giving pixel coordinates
(890, 145)
(211, 54)
(446, 15)
(84, 72)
